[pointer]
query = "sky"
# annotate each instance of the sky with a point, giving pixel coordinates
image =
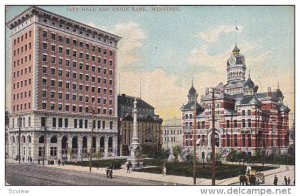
(165, 48)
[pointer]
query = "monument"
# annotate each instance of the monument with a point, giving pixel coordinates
(135, 149)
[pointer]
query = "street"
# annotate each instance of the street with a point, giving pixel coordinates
(34, 175)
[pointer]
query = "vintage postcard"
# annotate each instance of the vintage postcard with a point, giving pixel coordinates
(150, 95)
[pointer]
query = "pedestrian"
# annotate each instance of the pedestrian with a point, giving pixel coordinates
(289, 181)
(128, 166)
(58, 162)
(164, 170)
(110, 173)
(62, 163)
(39, 161)
(28, 159)
(107, 172)
(23, 159)
(275, 180)
(285, 180)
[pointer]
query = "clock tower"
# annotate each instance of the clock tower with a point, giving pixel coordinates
(236, 69)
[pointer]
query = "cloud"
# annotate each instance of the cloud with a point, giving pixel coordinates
(214, 34)
(132, 40)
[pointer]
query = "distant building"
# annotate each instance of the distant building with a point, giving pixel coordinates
(172, 136)
(149, 125)
(245, 120)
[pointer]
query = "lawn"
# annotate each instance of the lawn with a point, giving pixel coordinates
(100, 163)
(186, 169)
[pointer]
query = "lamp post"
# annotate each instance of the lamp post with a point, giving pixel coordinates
(213, 153)
(19, 139)
(91, 151)
(194, 140)
(44, 148)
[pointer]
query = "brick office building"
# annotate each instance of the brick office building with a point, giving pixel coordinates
(245, 120)
(63, 81)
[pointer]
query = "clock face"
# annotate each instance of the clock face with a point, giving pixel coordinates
(232, 60)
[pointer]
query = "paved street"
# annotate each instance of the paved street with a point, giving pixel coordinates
(34, 175)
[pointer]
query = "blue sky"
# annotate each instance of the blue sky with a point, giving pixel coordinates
(166, 49)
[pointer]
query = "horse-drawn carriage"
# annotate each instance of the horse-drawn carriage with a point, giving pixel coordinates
(252, 178)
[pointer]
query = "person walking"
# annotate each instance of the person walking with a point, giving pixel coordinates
(289, 181)
(58, 162)
(275, 180)
(285, 180)
(39, 161)
(30, 159)
(128, 166)
(23, 159)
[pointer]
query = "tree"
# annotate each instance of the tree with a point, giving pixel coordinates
(176, 151)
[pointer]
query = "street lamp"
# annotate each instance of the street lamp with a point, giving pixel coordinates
(91, 149)
(19, 139)
(194, 139)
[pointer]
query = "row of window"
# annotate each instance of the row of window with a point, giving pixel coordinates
(78, 123)
(17, 96)
(75, 86)
(22, 106)
(22, 60)
(173, 132)
(20, 84)
(74, 30)
(76, 43)
(74, 108)
(75, 54)
(22, 72)
(76, 76)
(59, 95)
(22, 37)
(170, 139)
(21, 123)
(22, 49)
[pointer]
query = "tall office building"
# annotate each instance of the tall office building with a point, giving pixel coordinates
(63, 83)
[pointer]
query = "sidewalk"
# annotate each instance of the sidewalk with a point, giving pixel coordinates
(175, 180)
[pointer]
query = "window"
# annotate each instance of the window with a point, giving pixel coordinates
(249, 140)
(243, 112)
(53, 122)
(235, 123)
(235, 140)
(52, 36)
(75, 123)
(243, 140)
(249, 112)
(53, 48)
(67, 40)
(44, 57)
(60, 38)
(67, 51)
(44, 33)
(43, 121)
(60, 49)
(66, 122)
(243, 123)
(80, 123)
(67, 108)
(45, 46)
(111, 124)
(249, 122)
(60, 122)
(227, 124)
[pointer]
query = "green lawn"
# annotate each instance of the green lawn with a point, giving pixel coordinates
(100, 163)
(186, 169)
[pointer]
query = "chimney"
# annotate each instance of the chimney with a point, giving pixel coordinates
(269, 92)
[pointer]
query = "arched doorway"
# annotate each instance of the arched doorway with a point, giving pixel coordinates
(74, 147)
(102, 145)
(84, 147)
(64, 147)
(110, 144)
(53, 147)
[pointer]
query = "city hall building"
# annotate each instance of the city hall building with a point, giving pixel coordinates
(245, 119)
(63, 88)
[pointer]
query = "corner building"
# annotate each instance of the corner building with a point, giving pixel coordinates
(245, 120)
(63, 82)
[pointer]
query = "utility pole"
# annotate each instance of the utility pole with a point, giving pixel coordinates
(213, 153)
(91, 151)
(44, 150)
(194, 140)
(19, 139)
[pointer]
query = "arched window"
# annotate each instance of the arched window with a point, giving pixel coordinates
(13, 139)
(29, 139)
(53, 140)
(74, 142)
(102, 142)
(103, 124)
(110, 142)
(41, 140)
(23, 139)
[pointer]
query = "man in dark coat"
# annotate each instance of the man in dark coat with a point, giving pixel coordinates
(275, 180)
